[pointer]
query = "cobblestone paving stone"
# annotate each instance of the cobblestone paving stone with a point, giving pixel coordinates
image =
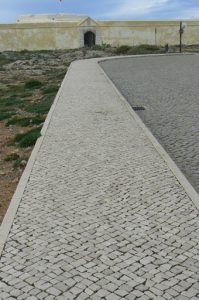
(102, 216)
(168, 87)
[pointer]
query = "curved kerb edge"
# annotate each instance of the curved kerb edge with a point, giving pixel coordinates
(189, 189)
(15, 201)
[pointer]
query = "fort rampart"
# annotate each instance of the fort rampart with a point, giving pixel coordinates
(36, 33)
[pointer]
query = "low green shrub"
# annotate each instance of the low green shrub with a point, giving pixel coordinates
(24, 122)
(10, 101)
(141, 49)
(14, 90)
(26, 94)
(148, 47)
(56, 74)
(11, 157)
(66, 64)
(29, 138)
(6, 115)
(122, 49)
(4, 60)
(33, 84)
(60, 74)
(101, 47)
(20, 162)
(42, 106)
(51, 89)
(144, 49)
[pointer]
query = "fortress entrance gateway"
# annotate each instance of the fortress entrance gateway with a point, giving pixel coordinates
(89, 39)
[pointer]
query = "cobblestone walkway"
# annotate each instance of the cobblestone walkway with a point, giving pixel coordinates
(102, 216)
(168, 87)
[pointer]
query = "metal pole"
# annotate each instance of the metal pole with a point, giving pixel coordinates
(155, 36)
(60, 1)
(181, 32)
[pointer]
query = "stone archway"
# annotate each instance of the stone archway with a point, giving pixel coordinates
(89, 39)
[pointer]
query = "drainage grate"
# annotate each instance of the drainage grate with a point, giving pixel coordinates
(138, 108)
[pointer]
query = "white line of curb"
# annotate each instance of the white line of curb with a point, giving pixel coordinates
(15, 201)
(189, 189)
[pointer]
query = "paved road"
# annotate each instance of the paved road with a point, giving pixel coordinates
(168, 87)
(102, 215)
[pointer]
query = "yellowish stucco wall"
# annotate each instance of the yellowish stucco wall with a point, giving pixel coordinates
(148, 32)
(127, 35)
(38, 36)
(191, 34)
(68, 35)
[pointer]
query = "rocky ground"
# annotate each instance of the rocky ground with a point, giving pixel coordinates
(28, 84)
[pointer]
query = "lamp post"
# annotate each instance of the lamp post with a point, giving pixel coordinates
(182, 28)
(60, 2)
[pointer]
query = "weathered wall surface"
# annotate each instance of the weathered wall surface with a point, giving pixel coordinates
(191, 33)
(126, 33)
(68, 35)
(38, 36)
(148, 32)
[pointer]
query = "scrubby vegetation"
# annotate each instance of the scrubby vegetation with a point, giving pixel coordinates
(122, 49)
(28, 138)
(6, 114)
(51, 89)
(4, 60)
(42, 106)
(142, 49)
(33, 84)
(17, 160)
(24, 122)
(11, 157)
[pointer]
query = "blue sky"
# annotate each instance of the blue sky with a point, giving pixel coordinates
(104, 9)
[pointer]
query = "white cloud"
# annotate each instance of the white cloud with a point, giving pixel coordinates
(135, 8)
(189, 14)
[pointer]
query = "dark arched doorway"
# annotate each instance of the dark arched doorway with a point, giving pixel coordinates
(89, 39)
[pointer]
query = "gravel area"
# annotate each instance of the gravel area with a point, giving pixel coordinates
(168, 88)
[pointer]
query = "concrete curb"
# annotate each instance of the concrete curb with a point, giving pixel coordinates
(16, 199)
(141, 55)
(189, 189)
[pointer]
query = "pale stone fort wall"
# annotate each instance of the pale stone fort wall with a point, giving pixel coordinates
(63, 31)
